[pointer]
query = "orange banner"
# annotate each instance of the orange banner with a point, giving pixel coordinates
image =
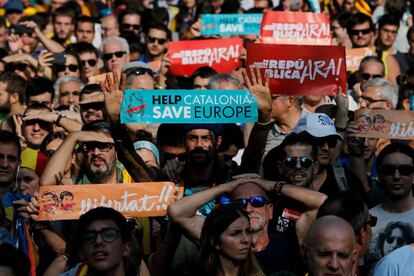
(147, 199)
(354, 57)
(299, 28)
(380, 123)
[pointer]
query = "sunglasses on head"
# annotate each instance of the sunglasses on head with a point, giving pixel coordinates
(131, 26)
(91, 62)
(71, 67)
(117, 54)
(404, 170)
(139, 71)
(256, 201)
(357, 32)
(103, 147)
(330, 140)
(366, 76)
(152, 39)
(107, 235)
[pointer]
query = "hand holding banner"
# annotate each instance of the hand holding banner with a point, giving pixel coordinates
(300, 69)
(231, 24)
(145, 199)
(188, 106)
(221, 54)
(298, 28)
(389, 124)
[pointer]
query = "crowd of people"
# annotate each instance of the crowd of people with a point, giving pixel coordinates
(296, 193)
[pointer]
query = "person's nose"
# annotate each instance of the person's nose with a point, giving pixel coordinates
(325, 146)
(199, 142)
(396, 174)
(245, 238)
(4, 162)
(363, 104)
(36, 126)
(99, 239)
(333, 263)
(249, 207)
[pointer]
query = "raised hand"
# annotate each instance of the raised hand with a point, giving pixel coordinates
(113, 89)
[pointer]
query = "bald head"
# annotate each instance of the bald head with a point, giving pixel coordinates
(330, 247)
(247, 190)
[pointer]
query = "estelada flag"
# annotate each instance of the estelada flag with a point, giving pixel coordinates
(299, 28)
(223, 55)
(300, 69)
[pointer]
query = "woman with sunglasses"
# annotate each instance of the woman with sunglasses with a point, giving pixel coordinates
(71, 67)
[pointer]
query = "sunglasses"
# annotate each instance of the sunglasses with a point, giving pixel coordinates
(372, 221)
(404, 170)
(91, 62)
(152, 39)
(131, 26)
(107, 235)
(331, 141)
(103, 147)
(62, 67)
(256, 201)
(400, 241)
(117, 54)
(366, 76)
(291, 162)
(139, 71)
(94, 106)
(16, 66)
(42, 124)
(357, 32)
(171, 156)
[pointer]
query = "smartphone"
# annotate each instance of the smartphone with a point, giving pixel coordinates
(22, 29)
(412, 102)
(59, 58)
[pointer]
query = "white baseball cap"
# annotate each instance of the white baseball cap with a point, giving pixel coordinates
(317, 125)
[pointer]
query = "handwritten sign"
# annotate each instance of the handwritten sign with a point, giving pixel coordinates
(299, 28)
(221, 54)
(188, 106)
(231, 24)
(354, 57)
(300, 69)
(132, 200)
(380, 123)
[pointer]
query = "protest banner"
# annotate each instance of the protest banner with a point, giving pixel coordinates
(231, 24)
(389, 124)
(298, 28)
(144, 199)
(221, 54)
(354, 57)
(188, 106)
(300, 69)
(100, 78)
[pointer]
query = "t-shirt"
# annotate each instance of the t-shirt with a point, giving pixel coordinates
(399, 263)
(393, 230)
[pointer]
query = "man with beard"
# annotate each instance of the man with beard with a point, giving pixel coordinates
(12, 91)
(98, 151)
(91, 103)
(156, 43)
(9, 160)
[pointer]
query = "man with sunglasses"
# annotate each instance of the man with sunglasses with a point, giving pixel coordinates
(92, 104)
(88, 56)
(395, 166)
(115, 53)
(139, 75)
(157, 39)
(35, 129)
(130, 22)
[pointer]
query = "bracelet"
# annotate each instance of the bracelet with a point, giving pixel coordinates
(277, 188)
(340, 129)
(60, 116)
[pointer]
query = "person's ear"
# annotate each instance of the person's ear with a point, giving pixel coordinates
(388, 105)
(219, 139)
(14, 98)
(360, 238)
(127, 249)
(270, 210)
(315, 167)
(279, 165)
(406, 104)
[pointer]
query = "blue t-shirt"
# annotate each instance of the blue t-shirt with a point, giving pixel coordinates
(398, 263)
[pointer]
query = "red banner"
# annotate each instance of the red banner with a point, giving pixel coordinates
(299, 28)
(300, 69)
(221, 54)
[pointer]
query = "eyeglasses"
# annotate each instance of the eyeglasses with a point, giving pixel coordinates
(256, 201)
(388, 170)
(107, 235)
(372, 221)
(170, 156)
(291, 162)
(152, 39)
(91, 62)
(131, 26)
(139, 71)
(370, 100)
(103, 147)
(330, 140)
(357, 32)
(118, 54)
(366, 76)
(400, 240)
(62, 67)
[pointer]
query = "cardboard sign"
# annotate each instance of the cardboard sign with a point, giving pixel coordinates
(221, 54)
(132, 200)
(300, 70)
(380, 123)
(100, 78)
(299, 28)
(231, 24)
(188, 106)
(354, 57)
